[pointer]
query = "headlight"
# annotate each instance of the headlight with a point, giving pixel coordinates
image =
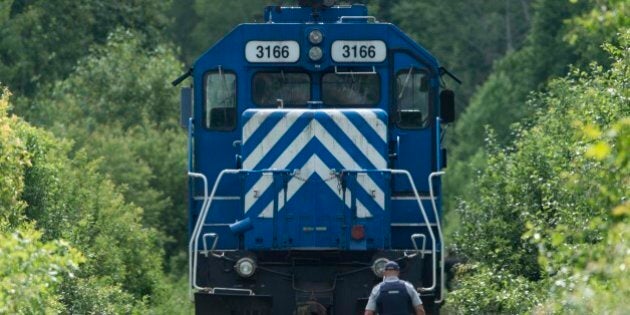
(378, 267)
(245, 267)
(315, 37)
(315, 53)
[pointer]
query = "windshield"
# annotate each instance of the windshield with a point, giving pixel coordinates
(294, 89)
(358, 89)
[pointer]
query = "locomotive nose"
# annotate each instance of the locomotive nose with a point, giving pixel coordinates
(314, 173)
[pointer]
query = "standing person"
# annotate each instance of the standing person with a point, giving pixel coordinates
(393, 296)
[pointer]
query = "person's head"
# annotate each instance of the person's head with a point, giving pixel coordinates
(391, 269)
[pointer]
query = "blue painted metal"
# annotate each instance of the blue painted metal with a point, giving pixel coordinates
(313, 205)
(438, 137)
(241, 226)
(191, 182)
(214, 149)
(186, 106)
(309, 175)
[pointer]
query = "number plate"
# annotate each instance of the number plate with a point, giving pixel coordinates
(359, 51)
(272, 51)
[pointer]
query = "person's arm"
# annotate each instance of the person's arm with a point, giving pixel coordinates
(370, 307)
(419, 310)
(415, 299)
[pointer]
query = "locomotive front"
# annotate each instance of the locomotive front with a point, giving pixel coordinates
(314, 157)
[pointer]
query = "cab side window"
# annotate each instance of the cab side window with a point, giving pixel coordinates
(412, 99)
(220, 100)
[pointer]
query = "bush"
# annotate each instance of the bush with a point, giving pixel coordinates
(119, 107)
(563, 33)
(553, 208)
(67, 198)
(484, 290)
(13, 161)
(31, 271)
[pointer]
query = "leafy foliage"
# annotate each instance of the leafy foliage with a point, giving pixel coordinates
(13, 161)
(496, 292)
(119, 84)
(200, 24)
(96, 295)
(543, 210)
(547, 53)
(172, 297)
(467, 37)
(31, 271)
(119, 107)
(85, 222)
(41, 41)
(69, 199)
(603, 19)
(591, 277)
(586, 257)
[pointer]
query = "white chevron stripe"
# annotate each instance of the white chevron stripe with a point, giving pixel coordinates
(268, 212)
(366, 182)
(259, 188)
(254, 122)
(270, 139)
(359, 140)
(281, 196)
(377, 125)
(314, 165)
(347, 161)
(295, 147)
(362, 211)
(316, 130)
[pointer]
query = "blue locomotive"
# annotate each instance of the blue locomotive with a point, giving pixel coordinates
(315, 155)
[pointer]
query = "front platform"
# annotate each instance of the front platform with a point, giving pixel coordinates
(288, 282)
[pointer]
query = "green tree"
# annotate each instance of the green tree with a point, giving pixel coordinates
(200, 24)
(588, 267)
(548, 210)
(548, 52)
(41, 41)
(31, 272)
(13, 161)
(118, 106)
(66, 198)
(467, 37)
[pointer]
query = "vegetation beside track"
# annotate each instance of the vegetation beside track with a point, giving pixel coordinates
(92, 174)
